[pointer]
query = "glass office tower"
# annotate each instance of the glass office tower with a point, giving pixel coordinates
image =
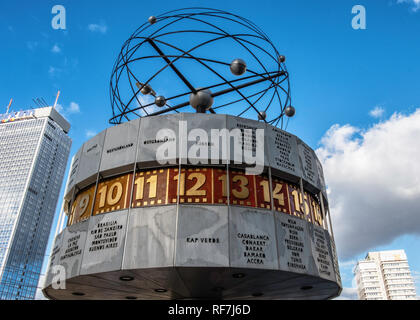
(34, 149)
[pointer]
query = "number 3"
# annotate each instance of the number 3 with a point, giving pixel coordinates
(243, 193)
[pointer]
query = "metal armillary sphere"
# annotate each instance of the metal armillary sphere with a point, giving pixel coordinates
(200, 60)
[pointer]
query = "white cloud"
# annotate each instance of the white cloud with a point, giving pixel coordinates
(377, 112)
(102, 28)
(73, 108)
(59, 108)
(90, 133)
(373, 179)
(66, 111)
(415, 4)
(56, 49)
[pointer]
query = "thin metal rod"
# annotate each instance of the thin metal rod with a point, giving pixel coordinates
(203, 17)
(179, 74)
(270, 75)
(169, 62)
(219, 93)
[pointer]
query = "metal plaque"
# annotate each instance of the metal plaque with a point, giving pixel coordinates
(119, 152)
(252, 239)
(246, 143)
(90, 160)
(74, 169)
(321, 253)
(333, 253)
(283, 153)
(201, 144)
(150, 238)
(202, 236)
(321, 180)
(308, 162)
(166, 143)
(72, 248)
(105, 243)
(294, 246)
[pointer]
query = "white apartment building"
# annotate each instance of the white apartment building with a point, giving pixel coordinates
(384, 275)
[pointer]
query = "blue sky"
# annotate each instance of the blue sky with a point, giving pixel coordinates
(353, 90)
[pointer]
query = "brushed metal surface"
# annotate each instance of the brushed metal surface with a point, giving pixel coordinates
(202, 236)
(104, 243)
(333, 253)
(283, 153)
(90, 160)
(73, 245)
(150, 238)
(238, 149)
(252, 238)
(204, 123)
(148, 144)
(308, 163)
(321, 253)
(294, 246)
(54, 258)
(119, 151)
(74, 170)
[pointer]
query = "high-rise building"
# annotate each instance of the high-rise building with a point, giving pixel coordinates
(385, 275)
(34, 149)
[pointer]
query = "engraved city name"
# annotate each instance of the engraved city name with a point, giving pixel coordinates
(105, 236)
(253, 246)
(295, 244)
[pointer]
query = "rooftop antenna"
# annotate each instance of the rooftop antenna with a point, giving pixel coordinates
(40, 102)
(8, 107)
(36, 102)
(45, 103)
(56, 99)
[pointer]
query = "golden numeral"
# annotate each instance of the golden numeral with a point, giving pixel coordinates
(266, 186)
(194, 190)
(153, 186)
(243, 193)
(296, 198)
(139, 188)
(111, 199)
(181, 183)
(102, 196)
(224, 189)
(83, 204)
(201, 180)
(277, 194)
(108, 196)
